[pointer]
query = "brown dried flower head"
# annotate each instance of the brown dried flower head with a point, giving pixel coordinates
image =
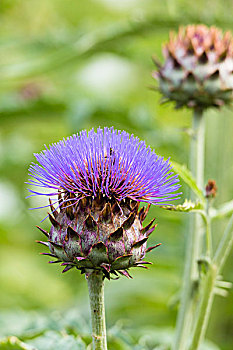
(211, 189)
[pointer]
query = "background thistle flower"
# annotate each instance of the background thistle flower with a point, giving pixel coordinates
(100, 178)
(198, 74)
(198, 68)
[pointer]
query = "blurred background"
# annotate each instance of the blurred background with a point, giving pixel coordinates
(70, 65)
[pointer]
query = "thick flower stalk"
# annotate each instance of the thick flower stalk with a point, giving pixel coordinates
(99, 179)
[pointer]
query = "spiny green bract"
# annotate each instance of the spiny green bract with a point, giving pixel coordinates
(99, 234)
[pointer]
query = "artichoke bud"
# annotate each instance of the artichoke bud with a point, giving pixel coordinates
(98, 233)
(198, 68)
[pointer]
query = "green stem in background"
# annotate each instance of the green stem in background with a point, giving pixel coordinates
(194, 238)
(95, 282)
(207, 298)
(204, 309)
(224, 246)
(209, 245)
(197, 169)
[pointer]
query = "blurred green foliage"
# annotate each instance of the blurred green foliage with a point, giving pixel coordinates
(69, 65)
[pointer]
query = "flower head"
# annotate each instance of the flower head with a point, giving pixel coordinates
(100, 179)
(198, 67)
(108, 162)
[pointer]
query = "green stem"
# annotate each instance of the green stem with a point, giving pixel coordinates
(224, 246)
(194, 238)
(215, 267)
(204, 309)
(209, 245)
(96, 294)
(197, 169)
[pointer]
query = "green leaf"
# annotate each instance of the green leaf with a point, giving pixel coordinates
(13, 343)
(187, 177)
(162, 339)
(187, 206)
(31, 324)
(207, 345)
(53, 340)
(224, 210)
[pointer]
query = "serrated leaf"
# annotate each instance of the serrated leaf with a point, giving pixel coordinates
(188, 178)
(187, 206)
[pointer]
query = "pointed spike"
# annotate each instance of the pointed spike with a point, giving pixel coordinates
(115, 278)
(106, 274)
(90, 222)
(116, 208)
(76, 206)
(58, 246)
(59, 198)
(53, 221)
(67, 268)
(144, 262)
(203, 58)
(145, 229)
(54, 211)
(54, 261)
(44, 243)
(114, 273)
(83, 202)
(164, 100)
(67, 263)
(49, 254)
(219, 102)
(156, 62)
(69, 211)
(181, 104)
(122, 262)
(125, 273)
(146, 211)
(151, 248)
(149, 232)
(127, 202)
(71, 233)
(106, 267)
(43, 231)
(106, 212)
(123, 257)
(139, 243)
(99, 198)
(215, 74)
(141, 213)
(135, 206)
(129, 222)
(144, 267)
(116, 235)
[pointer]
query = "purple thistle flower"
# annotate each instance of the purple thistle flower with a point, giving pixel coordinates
(109, 162)
(100, 179)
